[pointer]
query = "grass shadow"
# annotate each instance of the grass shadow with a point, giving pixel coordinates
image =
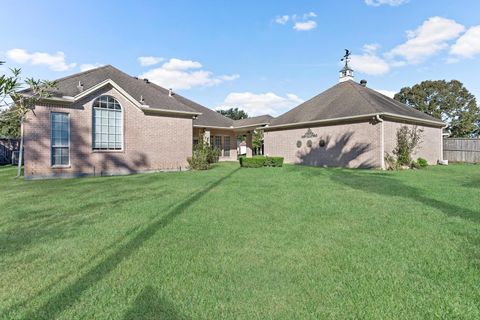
(69, 295)
(385, 185)
(149, 304)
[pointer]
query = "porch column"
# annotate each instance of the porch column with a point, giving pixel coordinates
(206, 136)
(249, 144)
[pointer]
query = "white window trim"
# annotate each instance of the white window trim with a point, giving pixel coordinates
(97, 150)
(51, 142)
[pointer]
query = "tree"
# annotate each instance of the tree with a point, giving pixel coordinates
(21, 103)
(234, 113)
(9, 121)
(449, 101)
(257, 140)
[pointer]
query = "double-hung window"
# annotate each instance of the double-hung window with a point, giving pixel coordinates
(217, 143)
(226, 146)
(60, 139)
(107, 124)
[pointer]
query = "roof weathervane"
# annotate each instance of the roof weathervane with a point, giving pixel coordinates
(346, 57)
(346, 73)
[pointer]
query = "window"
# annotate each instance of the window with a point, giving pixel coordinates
(107, 124)
(226, 146)
(217, 142)
(60, 139)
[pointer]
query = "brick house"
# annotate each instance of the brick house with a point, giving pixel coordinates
(104, 122)
(349, 125)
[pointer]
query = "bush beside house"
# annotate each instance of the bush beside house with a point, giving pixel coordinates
(203, 156)
(261, 161)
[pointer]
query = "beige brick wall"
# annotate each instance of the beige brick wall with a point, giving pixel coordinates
(151, 142)
(351, 145)
(430, 148)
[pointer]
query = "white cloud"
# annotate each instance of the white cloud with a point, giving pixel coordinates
(467, 46)
(311, 14)
(387, 93)
(427, 40)
(149, 60)
(89, 66)
(303, 22)
(177, 64)
(262, 103)
(55, 62)
(184, 74)
(229, 77)
(393, 3)
(369, 62)
(282, 19)
(305, 26)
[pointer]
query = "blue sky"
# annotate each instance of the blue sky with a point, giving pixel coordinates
(262, 56)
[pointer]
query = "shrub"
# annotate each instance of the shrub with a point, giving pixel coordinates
(213, 154)
(198, 161)
(260, 161)
(390, 162)
(422, 162)
(407, 141)
(414, 165)
(274, 161)
(253, 162)
(203, 155)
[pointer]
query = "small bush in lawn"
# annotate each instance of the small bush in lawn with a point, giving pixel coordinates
(203, 155)
(422, 162)
(260, 161)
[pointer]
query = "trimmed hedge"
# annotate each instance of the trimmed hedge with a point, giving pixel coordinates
(260, 161)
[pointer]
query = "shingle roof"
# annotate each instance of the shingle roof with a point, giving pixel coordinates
(259, 120)
(154, 96)
(347, 99)
(209, 117)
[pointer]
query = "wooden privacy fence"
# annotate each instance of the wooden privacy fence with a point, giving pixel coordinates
(7, 147)
(461, 150)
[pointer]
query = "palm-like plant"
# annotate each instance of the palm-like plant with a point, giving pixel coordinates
(22, 102)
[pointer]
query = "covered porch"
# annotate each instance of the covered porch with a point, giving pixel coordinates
(227, 140)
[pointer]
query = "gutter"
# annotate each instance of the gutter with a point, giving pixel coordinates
(365, 116)
(382, 141)
(253, 126)
(166, 111)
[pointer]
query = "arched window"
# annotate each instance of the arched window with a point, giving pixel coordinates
(107, 124)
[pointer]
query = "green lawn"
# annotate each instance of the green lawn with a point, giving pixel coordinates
(270, 243)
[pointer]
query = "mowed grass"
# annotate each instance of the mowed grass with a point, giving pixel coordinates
(270, 243)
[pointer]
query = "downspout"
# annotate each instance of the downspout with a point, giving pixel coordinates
(382, 141)
(441, 143)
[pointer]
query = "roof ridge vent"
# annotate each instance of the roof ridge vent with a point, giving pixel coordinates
(146, 80)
